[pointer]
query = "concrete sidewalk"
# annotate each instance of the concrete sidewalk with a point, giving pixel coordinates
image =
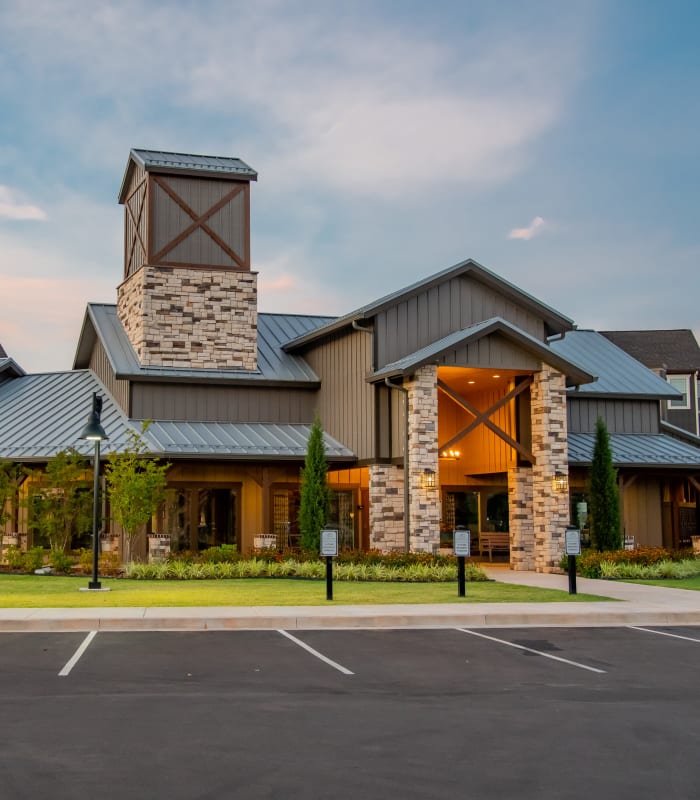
(630, 604)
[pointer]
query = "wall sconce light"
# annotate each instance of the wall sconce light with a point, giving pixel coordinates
(428, 479)
(560, 482)
(450, 455)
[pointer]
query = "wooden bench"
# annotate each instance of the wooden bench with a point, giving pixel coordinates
(490, 541)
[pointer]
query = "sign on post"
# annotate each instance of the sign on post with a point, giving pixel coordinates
(462, 542)
(329, 543)
(462, 546)
(329, 548)
(572, 544)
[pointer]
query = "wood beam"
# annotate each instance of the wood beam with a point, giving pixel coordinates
(482, 418)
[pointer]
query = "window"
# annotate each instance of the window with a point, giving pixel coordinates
(682, 384)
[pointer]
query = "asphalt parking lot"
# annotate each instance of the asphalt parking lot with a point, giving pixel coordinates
(528, 713)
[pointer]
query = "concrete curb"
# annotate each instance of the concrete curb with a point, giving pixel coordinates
(480, 616)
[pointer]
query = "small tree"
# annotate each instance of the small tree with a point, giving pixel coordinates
(11, 477)
(61, 504)
(604, 506)
(315, 497)
(136, 486)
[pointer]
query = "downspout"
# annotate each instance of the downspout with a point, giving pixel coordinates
(406, 493)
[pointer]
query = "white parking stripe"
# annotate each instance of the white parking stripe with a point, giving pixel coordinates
(76, 656)
(536, 652)
(313, 652)
(664, 633)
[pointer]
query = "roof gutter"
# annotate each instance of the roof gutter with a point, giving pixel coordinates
(406, 491)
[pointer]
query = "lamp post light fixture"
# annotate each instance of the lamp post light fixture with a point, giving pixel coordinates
(94, 432)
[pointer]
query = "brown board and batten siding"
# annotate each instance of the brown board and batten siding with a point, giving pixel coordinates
(429, 315)
(99, 364)
(135, 222)
(198, 403)
(345, 401)
(170, 220)
(492, 352)
(620, 416)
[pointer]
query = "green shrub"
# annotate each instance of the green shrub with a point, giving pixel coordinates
(61, 561)
(588, 565)
(219, 555)
(33, 559)
(14, 557)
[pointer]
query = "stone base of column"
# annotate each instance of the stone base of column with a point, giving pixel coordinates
(387, 531)
(520, 514)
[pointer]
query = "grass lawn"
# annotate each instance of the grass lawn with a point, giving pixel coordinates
(31, 591)
(670, 583)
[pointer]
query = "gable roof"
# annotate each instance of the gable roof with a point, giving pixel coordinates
(557, 322)
(672, 350)
(185, 163)
(10, 368)
(619, 375)
(41, 415)
(275, 365)
(530, 344)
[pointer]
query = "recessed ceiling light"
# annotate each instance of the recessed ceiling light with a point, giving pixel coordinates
(471, 381)
(496, 376)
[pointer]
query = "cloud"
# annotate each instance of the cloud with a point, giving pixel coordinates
(13, 207)
(360, 102)
(534, 228)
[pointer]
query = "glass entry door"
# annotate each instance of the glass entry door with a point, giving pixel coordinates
(342, 517)
(201, 517)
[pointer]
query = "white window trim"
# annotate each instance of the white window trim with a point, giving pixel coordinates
(673, 404)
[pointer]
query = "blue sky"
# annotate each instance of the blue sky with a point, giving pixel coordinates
(555, 143)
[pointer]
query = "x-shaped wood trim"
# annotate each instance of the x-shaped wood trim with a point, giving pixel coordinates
(482, 418)
(198, 222)
(695, 483)
(137, 222)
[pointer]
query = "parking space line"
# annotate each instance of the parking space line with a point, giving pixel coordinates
(536, 652)
(76, 656)
(318, 655)
(664, 633)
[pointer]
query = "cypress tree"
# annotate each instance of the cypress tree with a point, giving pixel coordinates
(315, 495)
(604, 498)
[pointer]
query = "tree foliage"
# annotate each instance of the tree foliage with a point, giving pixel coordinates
(315, 497)
(60, 500)
(603, 494)
(136, 485)
(11, 477)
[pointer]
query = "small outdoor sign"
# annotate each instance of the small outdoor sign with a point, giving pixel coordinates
(329, 543)
(573, 542)
(462, 543)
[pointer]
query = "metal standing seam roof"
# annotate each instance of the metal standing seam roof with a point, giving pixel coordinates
(41, 415)
(274, 364)
(161, 161)
(243, 440)
(636, 450)
(619, 374)
(464, 267)
(10, 365)
(475, 332)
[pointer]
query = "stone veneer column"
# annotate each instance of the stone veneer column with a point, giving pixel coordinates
(386, 519)
(520, 514)
(178, 317)
(424, 508)
(549, 446)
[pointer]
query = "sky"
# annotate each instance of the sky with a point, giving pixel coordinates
(555, 143)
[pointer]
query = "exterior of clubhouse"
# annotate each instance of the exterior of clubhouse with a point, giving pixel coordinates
(460, 400)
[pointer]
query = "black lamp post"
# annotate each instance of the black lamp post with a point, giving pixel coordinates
(94, 432)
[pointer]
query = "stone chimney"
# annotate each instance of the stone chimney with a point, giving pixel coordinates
(189, 298)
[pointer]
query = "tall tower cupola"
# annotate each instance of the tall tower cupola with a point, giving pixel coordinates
(188, 298)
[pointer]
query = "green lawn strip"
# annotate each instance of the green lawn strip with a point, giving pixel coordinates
(673, 583)
(29, 591)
